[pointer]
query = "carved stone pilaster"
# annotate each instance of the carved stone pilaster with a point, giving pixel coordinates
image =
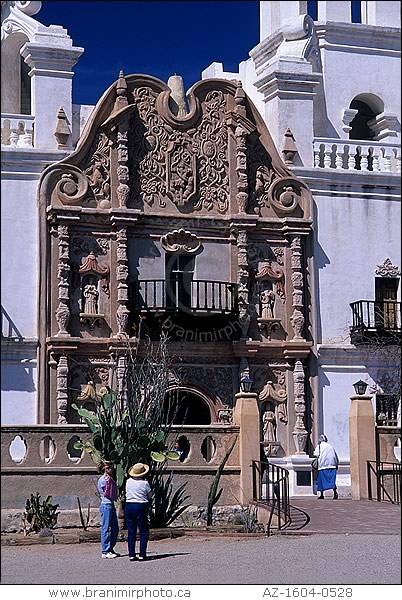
(299, 432)
(122, 313)
(121, 378)
(63, 274)
(243, 281)
(297, 318)
(62, 389)
(241, 152)
(123, 189)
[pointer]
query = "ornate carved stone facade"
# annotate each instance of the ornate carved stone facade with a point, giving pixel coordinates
(188, 217)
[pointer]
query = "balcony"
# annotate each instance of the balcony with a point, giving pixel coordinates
(181, 295)
(375, 321)
(356, 155)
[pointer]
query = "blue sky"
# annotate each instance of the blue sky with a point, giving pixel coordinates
(154, 37)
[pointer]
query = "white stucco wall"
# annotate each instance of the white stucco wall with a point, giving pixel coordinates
(376, 72)
(19, 257)
(354, 235)
(18, 394)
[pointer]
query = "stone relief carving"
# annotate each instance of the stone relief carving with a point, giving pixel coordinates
(88, 244)
(297, 318)
(63, 274)
(387, 269)
(122, 313)
(98, 170)
(225, 415)
(62, 389)
(218, 380)
(180, 241)
(267, 272)
(243, 282)
(91, 296)
(188, 167)
(279, 399)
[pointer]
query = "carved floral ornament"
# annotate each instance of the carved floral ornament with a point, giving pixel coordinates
(180, 241)
(387, 269)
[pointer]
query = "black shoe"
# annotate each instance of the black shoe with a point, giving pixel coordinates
(335, 495)
(320, 498)
(132, 558)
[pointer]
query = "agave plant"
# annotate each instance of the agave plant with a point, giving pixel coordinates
(167, 505)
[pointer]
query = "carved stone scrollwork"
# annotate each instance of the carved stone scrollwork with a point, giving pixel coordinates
(63, 273)
(180, 241)
(72, 188)
(297, 318)
(299, 432)
(387, 269)
(62, 389)
(268, 327)
(284, 194)
(122, 313)
(266, 272)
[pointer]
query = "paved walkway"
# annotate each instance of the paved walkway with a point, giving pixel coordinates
(310, 515)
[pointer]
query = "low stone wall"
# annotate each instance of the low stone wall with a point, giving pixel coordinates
(47, 465)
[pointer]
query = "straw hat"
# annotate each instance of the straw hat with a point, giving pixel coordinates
(138, 470)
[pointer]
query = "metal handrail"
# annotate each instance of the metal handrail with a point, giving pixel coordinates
(190, 295)
(383, 315)
(380, 471)
(271, 486)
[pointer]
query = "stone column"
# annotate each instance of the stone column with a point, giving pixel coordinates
(361, 443)
(241, 152)
(299, 432)
(246, 416)
(62, 389)
(122, 313)
(63, 273)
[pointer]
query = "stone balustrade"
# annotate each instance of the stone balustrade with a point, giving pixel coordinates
(17, 130)
(51, 447)
(355, 155)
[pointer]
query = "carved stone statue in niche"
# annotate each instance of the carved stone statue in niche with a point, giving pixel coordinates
(267, 300)
(91, 296)
(269, 426)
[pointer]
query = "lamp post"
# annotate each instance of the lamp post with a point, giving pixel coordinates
(360, 387)
(246, 384)
(246, 416)
(361, 439)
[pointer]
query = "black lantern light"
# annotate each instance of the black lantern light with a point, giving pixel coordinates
(246, 383)
(360, 387)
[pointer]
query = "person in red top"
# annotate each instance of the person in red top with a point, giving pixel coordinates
(110, 526)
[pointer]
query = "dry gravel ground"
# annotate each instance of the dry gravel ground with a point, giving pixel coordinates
(315, 559)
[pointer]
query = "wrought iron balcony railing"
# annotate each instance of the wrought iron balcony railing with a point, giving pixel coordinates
(375, 317)
(182, 294)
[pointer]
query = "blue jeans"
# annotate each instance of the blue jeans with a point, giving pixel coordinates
(137, 516)
(110, 527)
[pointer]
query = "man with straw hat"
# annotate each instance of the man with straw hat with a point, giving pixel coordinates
(138, 497)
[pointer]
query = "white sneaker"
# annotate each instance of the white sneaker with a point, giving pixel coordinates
(109, 555)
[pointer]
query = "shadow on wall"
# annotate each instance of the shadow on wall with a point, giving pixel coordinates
(321, 260)
(18, 378)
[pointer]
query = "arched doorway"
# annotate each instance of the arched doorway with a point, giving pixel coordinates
(187, 407)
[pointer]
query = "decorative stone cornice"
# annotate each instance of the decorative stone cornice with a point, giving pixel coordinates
(387, 269)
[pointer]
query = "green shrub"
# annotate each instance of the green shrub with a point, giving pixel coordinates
(40, 515)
